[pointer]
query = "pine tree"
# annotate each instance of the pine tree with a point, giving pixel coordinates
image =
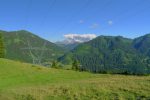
(75, 65)
(54, 64)
(2, 53)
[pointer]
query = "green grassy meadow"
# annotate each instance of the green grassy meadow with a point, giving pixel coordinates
(21, 81)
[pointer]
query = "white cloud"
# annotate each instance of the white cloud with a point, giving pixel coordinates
(81, 21)
(71, 38)
(110, 22)
(93, 26)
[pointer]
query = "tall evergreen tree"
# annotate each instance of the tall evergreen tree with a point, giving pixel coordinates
(2, 51)
(54, 64)
(75, 65)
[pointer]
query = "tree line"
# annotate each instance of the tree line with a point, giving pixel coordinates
(2, 50)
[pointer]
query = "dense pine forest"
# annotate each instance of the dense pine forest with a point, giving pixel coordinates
(107, 54)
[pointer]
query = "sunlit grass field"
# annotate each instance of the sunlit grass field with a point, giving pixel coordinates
(20, 81)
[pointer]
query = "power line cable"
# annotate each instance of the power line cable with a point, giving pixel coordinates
(38, 58)
(121, 13)
(74, 15)
(105, 5)
(51, 5)
(133, 15)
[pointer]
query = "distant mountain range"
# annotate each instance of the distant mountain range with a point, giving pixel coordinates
(142, 44)
(24, 46)
(108, 54)
(72, 40)
(67, 45)
(104, 54)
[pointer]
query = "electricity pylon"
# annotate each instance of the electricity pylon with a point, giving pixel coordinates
(35, 54)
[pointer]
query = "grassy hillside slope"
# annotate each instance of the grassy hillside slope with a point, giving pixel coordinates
(20, 81)
(17, 47)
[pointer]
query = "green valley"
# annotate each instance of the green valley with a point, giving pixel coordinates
(21, 81)
(74, 50)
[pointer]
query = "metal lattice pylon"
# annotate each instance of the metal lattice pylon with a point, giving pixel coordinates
(36, 59)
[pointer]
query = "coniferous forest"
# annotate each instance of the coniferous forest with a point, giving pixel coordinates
(107, 54)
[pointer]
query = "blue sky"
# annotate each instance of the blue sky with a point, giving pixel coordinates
(51, 19)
